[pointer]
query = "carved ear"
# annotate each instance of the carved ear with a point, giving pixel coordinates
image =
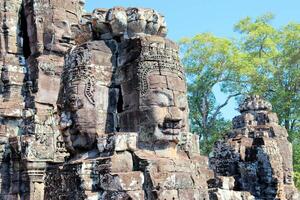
(90, 90)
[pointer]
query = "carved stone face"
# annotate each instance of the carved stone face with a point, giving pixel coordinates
(79, 121)
(59, 36)
(164, 107)
(84, 104)
(58, 32)
(163, 103)
(154, 101)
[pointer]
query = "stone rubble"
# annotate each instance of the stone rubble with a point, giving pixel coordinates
(94, 106)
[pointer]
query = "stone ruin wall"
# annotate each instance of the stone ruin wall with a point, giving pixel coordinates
(93, 106)
(34, 36)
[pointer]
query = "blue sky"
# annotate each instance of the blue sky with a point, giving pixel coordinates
(186, 18)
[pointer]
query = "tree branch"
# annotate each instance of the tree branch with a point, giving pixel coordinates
(214, 116)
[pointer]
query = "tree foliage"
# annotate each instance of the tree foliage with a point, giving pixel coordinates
(275, 55)
(209, 61)
(263, 60)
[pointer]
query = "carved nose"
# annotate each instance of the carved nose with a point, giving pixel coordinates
(175, 114)
(67, 37)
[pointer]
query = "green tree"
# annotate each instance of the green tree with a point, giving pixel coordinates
(263, 60)
(275, 54)
(211, 61)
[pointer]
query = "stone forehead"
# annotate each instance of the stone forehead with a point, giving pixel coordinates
(145, 68)
(157, 56)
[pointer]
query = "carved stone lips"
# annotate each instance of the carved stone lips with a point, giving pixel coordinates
(171, 127)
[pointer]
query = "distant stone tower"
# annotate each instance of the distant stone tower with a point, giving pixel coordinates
(255, 156)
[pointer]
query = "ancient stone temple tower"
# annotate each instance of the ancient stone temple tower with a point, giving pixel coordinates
(123, 114)
(255, 157)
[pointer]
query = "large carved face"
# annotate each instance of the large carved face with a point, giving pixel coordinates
(163, 102)
(59, 36)
(153, 90)
(78, 118)
(84, 96)
(164, 107)
(58, 25)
